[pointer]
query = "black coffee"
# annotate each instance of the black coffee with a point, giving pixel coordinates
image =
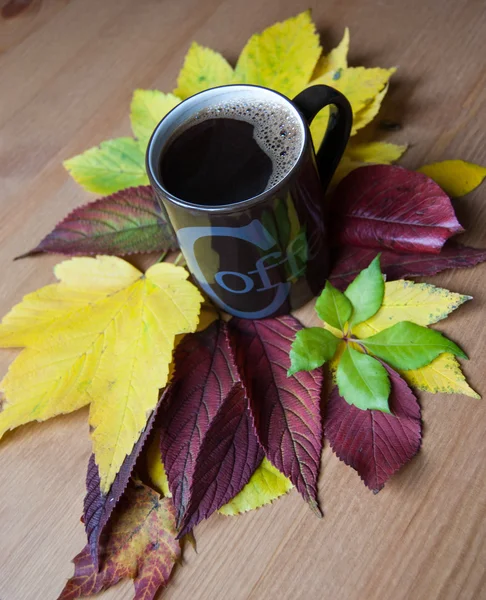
(231, 152)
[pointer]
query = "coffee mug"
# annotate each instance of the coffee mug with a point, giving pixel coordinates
(234, 170)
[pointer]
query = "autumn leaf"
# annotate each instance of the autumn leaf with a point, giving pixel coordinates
(109, 167)
(203, 68)
(385, 206)
(141, 545)
(456, 177)
(265, 485)
(374, 443)
(155, 466)
(128, 222)
(348, 261)
(286, 410)
(282, 57)
(148, 108)
(336, 60)
(103, 335)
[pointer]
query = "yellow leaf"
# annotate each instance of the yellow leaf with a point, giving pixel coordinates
(443, 375)
(420, 303)
(382, 153)
(147, 109)
(456, 177)
(266, 484)
(112, 350)
(203, 68)
(369, 112)
(336, 59)
(282, 57)
(155, 467)
(359, 85)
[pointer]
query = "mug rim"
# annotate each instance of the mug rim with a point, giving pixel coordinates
(152, 158)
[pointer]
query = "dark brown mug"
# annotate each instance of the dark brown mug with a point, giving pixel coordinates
(266, 255)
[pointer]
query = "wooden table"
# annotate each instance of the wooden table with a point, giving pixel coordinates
(67, 72)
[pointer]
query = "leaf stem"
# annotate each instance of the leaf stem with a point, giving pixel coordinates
(162, 257)
(180, 260)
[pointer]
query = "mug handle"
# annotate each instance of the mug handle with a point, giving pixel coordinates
(310, 102)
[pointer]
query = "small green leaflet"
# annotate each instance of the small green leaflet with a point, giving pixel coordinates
(407, 345)
(366, 292)
(311, 349)
(333, 307)
(363, 381)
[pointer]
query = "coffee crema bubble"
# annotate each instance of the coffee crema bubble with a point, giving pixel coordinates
(232, 151)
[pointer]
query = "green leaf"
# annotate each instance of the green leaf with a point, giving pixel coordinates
(311, 349)
(363, 381)
(147, 109)
(366, 292)
(333, 307)
(407, 345)
(110, 167)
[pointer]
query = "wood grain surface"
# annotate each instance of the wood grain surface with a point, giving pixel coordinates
(67, 72)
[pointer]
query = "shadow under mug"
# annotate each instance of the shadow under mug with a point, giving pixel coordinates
(266, 255)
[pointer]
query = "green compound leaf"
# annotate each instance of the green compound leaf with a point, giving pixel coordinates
(311, 348)
(366, 292)
(334, 307)
(407, 345)
(110, 167)
(363, 381)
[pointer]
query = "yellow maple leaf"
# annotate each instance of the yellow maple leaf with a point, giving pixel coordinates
(365, 115)
(265, 485)
(282, 57)
(456, 177)
(203, 68)
(335, 60)
(103, 336)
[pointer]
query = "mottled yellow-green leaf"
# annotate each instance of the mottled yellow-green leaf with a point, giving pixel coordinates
(336, 59)
(359, 85)
(111, 349)
(155, 467)
(203, 68)
(282, 57)
(364, 116)
(265, 485)
(419, 303)
(456, 177)
(442, 375)
(109, 167)
(147, 109)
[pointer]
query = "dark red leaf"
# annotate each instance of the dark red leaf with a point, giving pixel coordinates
(141, 544)
(98, 508)
(389, 207)
(205, 374)
(286, 410)
(127, 222)
(228, 457)
(374, 443)
(350, 260)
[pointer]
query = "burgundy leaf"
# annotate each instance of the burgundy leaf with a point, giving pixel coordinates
(228, 457)
(98, 508)
(374, 443)
(205, 374)
(286, 410)
(389, 207)
(124, 223)
(350, 260)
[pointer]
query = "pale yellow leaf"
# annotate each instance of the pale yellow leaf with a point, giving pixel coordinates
(383, 153)
(203, 68)
(420, 303)
(155, 467)
(336, 59)
(265, 485)
(282, 57)
(114, 352)
(456, 177)
(359, 85)
(147, 109)
(364, 116)
(442, 375)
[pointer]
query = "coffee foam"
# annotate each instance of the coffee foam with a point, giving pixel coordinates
(277, 130)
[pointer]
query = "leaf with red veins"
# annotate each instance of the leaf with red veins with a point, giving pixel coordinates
(389, 207)
(374, 443)
(286, 410)
(350, 260)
